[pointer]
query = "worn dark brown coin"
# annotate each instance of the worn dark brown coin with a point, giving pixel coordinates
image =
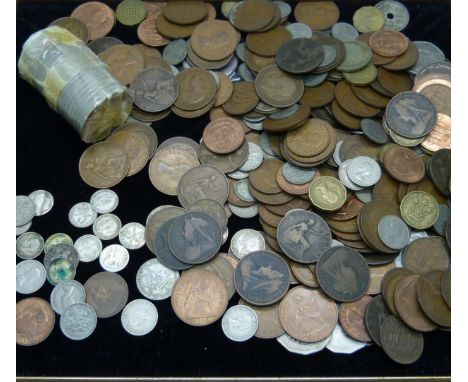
(447, 287)
(252, 15)
(262, 278)
(197, 88)
(97, 16)
(73, 25)
(388, 43)
(107, 293)
(318, 15)
(403, 164)
(344, 118)
(300, 55)
(352, 318)
(387, 189)
(223, 135)
(400, 343)
(318, 96)
(352, 104)
(406, 60)
(35, 321)
(263, 178)
(156, 220)
(269, 217)
(171, 30)
(124, 61)
(376, 313)
(185, 12)
(389, 283)
(369, 96)
(304, 274)
(431, 300)
(426, 254)
(267, 44)
(349, 210)
(256, 62)
(377, 273)
(193, 113)
(439, 169)
(270, 199)
(346, 226)
(269, 230)
(394, 82)
(269, 325)
(311, 139)
(243, 99)
(291, 122)
(295, 203)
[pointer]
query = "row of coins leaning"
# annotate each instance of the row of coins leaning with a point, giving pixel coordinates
(336, 135)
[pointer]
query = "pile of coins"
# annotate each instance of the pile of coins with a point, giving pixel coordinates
(336, 135)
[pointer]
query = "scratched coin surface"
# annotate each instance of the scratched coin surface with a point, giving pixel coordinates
(246, 241)
(82, 215)
(35, 321)
(239, 323)
(114, 258)
(107, 226)
(89, 247)
(139, 317)
(43, 200)
(155, 281)
(30, 276)
(104, 201)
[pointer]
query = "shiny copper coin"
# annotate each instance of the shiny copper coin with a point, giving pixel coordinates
(223, 135)
(404, 165)
(97, 16)
(35, 321)
(318, 15)
(388, 43)
(388, 285)
(431, 300)
(125, 62)
(441, 136)
(134, 147)
(185, 12)
(351, 316)
(214, 40)
(318, 96)
(269, 325)
(73, 25)
(243, 99)
(268, 43)
(304, 274)
(149, 35)
(348, 101)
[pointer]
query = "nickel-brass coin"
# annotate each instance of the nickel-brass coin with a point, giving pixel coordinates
(368, 19)
(327, 193)
(419, 209)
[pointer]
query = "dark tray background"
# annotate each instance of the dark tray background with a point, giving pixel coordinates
(47, 154)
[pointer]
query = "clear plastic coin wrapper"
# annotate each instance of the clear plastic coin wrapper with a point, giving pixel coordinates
(75, 82)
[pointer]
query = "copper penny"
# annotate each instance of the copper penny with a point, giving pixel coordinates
(171, 30)
(441, 136)
(290, 188)
(149, 35)
(193, 113)
(125, 62)
(388, 285)
(304, 274)
(348, 211)
(394, 82)
(199, 298)
(318, 96)
(388, 43)
(154, 8)
(318, 15)
(35, 320)
(368, 95)
(310, 139)
(197, 88)
(256, 62)
(269, 325)
(290, 123)
(427, 185)
(377, 59)
(295, 203)
(377, 273)
(185, 12)
(134, 147)
(269, 217)
(387, 189)
(97, 16)
(352, 318)
(343, 117)
(224, 91)
(431, 300)
(403, 164)
(223, 135)
(214, 40)
(263, 178)
(148, 51)
(243, 99)
(308, 315)
(197, 61)
(352, 104)
(271, 199)
(253, 15)
(427, 254)
(406, 60)
(267, 43)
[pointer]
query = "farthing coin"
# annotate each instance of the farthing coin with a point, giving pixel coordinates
(239, 323)
(29, 245)
(57, 238)
(364, 171)
(25, 210)
(155, 281)
(393, 232)
(343, 344)
(254, 159)
(132, 235)
(107, 226)
(247, 241)
(82, 215)
(104, 201)
(114, 258)
(78, 321)
(23, 228)
(30, 276)
(89, 247)
(66, 294)
(43, 200)
(139, 317)
(61, 251)
(305, 348)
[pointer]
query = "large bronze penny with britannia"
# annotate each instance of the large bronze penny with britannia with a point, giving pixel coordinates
(301, 55)
(124, 61)
(262, 278)
(243, 99)
(343, 274)
(318, 15)
(35, 320)
(431, 300)
(303, 236)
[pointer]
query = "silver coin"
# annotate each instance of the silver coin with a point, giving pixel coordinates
(23, 228)
(299, 30)
(238, 175)
(82, 215)
(234, 77)
(30, 276)
(29, 245)
(297, 175)
(285, 8)
(78, 321)
(342, 343)
(246, 73)
(175, 52)
(364, 171)
(254, 119)
(43, 200)
(254, 159)
(231, 66)
(25, 210)
(225, 235)
(328, 58)
(55, 239)
(132, 235)
(89, 248)
(396, 15)
(104, 201)
(310, 80)
(344, 32)
(366, 195)
(241, 189)
(216, 77)
(155, 281)
(114, 258)
(107, 226)
(240, 51)
(61, 251)
(247, 241)
(244, 212)
(284, 113)
(336, 153)
(239, 323)
(65, 294)
(174, 70)
(265, 143)
(336, 243)
(265, 108)
(305, 348)
(139, 317)
(343, 175)
(393, 232)
(257, 126)
(428, 54)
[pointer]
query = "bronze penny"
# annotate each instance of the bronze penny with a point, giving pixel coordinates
(172, 30)
(73, 25)
(426, 254)
(97, 16)
(388, 43)
(295, 203)
(376, 313)
(263, 178)
(224, 91)
(269, 325)
(318, 15)
(256, 63)
(344, 118)
(377, 59)
(407, 306)
(148, 51)
(350, 237)
(197, 61)
(352, 104)
(124, 61)
(194, 113)
(243, 99)
(103, 165)
(290, 188)
(309, 140)
(185, 12)
(156, 62)
(197, 88)
(224, 162)
(223, 135)
(149, 35)
(267, 43)
(107, 293)
(377, 273)
(134, 147)
(388, 285)
(351, 316)
(304, 274)
(307, 314)
(358, 145)
(290, 123)
(156, 220)
(233, 260)
(406, 60)
(273, 243)
(368, 95)
(394, 82)
(318, 96)
(404, 165)
(387, 189)
(199, 297)
(268, 216)
(439, 170)
(35, 320)
(270, 199)
(348, 211)
(446, 287)
(142, 131)
(431, 300)
(154, 8)
(148, 117)
(269, 230)
(440, 137)
(345, 226)
(214, 40)
(253, 15)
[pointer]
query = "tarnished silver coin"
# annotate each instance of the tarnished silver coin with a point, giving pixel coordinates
(265, 143)
(107, 226)
(428, 54)
(284, 113)
(225, 235)
(343, 175)
(329, 56)
(66, 294)
(239, 323)
(89, 247)
(396, 14)
(299, 30)
(213, 208)
(114, 258)
(298, 175)
(43, 200)
(305, 348)
(393, 232)
(336, 243)
(257, 126)
(57, 238)
(374, 131)
(78, 321)
(246, 73)
(30, 276)
(155, 281)
(139, 317)
(364, 171)
(336, 153)
(311, 80)
(231, 66)
(82, 215)
(175, 52)
(244, 212)
(241, 189)
(265, 108)
(342, 343)
(104, 201)
(25, 210)
(247, 241)
(366, 195)
(61, 251)
(29, 245)
(285, 9)
(344, 32)
(23, 228)
(238, 175)
(240, 51)
(132, 235)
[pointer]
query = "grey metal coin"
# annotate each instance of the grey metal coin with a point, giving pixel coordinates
(155, 281)
(101, 44)
(265, 143)
(132, 235)
(257, 126)
(78, 321)
(61, 251)
(310, 80)
(329, 57)
(284, 113)
(300, 55)
(180, 143)
(57, 238)
(393, 232)
(344, 32)
(285, 8)
(238, 175)
(214, 209)
(366, 195)
(65, 294)
(156, 220)
(29, 245)
(374, 131)
(174, 70)
(247, 241)
(376, 312)
(343, 175)
(175, 52)
(299, 30)
(240, 51)
(442, 219)
(223, 162)
(265, 108)
(298, 175)
(396, 14)
(25, 210)
(82, 215)
(139, 317)
(104, 201)
(254, 119)
(343, 344)
(305, 348)
(89, 248)
(244, 212)
(336, 154)
(254, 158)
(162, 250)
(246, 73)
(30, 276)
(364, 171)
(336, 243)
(107, 226)
(428, 54)
(23, 228)
(43, 200)
(241, 189)
(231, 66)
(225, 235)
(114, 258)
(239, 323)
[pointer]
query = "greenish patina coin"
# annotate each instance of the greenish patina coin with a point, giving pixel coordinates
(419, 210)
(131, 12)
(362, 77)
(357, 56)
(327, 193)
(57, 238)
(60, 269)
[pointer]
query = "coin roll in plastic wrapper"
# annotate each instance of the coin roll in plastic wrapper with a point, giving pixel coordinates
(75, 82)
